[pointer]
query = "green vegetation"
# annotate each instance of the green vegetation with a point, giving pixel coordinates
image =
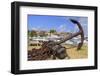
(52, 31)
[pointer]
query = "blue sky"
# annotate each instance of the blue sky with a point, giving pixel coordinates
(59, 23)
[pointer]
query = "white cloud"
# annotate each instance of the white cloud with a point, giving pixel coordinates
(34, 28)
(76, 29)
(62, 28)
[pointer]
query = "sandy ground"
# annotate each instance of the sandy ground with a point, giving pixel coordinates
(78, 54)
(73, 53)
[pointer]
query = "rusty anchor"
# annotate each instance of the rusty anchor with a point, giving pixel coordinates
(55, 49)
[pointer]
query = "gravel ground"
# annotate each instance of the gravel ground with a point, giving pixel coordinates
(73, 53)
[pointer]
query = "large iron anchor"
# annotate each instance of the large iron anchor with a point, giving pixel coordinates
(55, 49)
(60, 51)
